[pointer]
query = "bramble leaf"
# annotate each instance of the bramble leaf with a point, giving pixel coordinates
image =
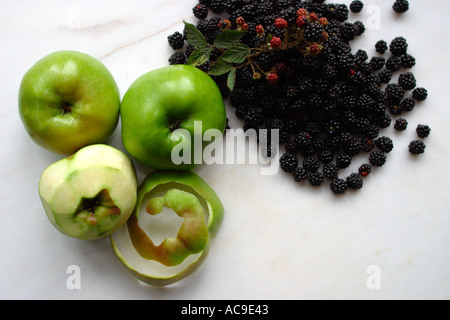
(220, 67)
(200, 56)
(194, 36)
(231, 80)
(228, 38)
(236, 54)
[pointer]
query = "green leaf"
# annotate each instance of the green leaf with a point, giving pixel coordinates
(236, 54)
(227, 38)
(200, 56)
(194, 36)
(220, 67)
(231, 79)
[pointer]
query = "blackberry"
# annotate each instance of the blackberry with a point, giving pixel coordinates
(330, 171)
(385, 76)
(325, 156)
(365, 169)
(398, 46)
(200, 11)
(423, 130)
(311, 164)
(291, 147)
(288, 162)
(400, 124)
(300, 174)
(217, 6)
(420, 94)
(354, 181)
(338, 186)
(356, 6)
(253, 119)
(343, 160)
(385, 144)
(316, 178)
(189, 49)
(381, 46)
(176, 40)
(394, 92)
(393, 63)
(377, 158)
(377, 63)
(407, 81)
(177, 58)
(400, 6)
(416, 147)
(348, 31)
(313, 32)
(407, 104)
(408, 61)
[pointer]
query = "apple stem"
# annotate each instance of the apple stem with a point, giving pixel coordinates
(175, 124)
(66, 107)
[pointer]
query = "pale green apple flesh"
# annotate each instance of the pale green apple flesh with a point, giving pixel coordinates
(90, 194)
(168, 262)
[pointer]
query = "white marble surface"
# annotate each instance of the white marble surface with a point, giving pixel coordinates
(279, 240)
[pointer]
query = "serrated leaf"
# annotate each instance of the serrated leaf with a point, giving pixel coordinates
(228, 38)
(220, 67)
(236, 54)
(231, 80)
(194, 36)
(200, 56)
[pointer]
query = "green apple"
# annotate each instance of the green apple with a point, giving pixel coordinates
(90, 194)
(162, 101)
(68, 100)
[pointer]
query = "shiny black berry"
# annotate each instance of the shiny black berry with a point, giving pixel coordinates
(420, 94)
(354, 181)
(176, 40)
(316, 178)
(400, 6)
(200, 11)
(356, 6)
(288, 162)
(338, 186)
(416, 147)
(377, 158)
(177, 58)
(423, 130)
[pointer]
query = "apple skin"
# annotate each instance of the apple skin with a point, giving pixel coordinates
(90, 194)
(165, 99)
(68, 100)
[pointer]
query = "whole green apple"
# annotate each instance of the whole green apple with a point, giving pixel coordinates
(68, 100)
(90, 194)
(164, 102)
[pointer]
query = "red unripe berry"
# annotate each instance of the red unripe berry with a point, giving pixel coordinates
(301, 21)
(259, 30)
(272, 78)
(240, 21)
(275, 42)
(281, 24)
(302, 12)
(313, 16)
(323, 21)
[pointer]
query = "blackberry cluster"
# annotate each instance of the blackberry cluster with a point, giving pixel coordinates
(329, 104)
